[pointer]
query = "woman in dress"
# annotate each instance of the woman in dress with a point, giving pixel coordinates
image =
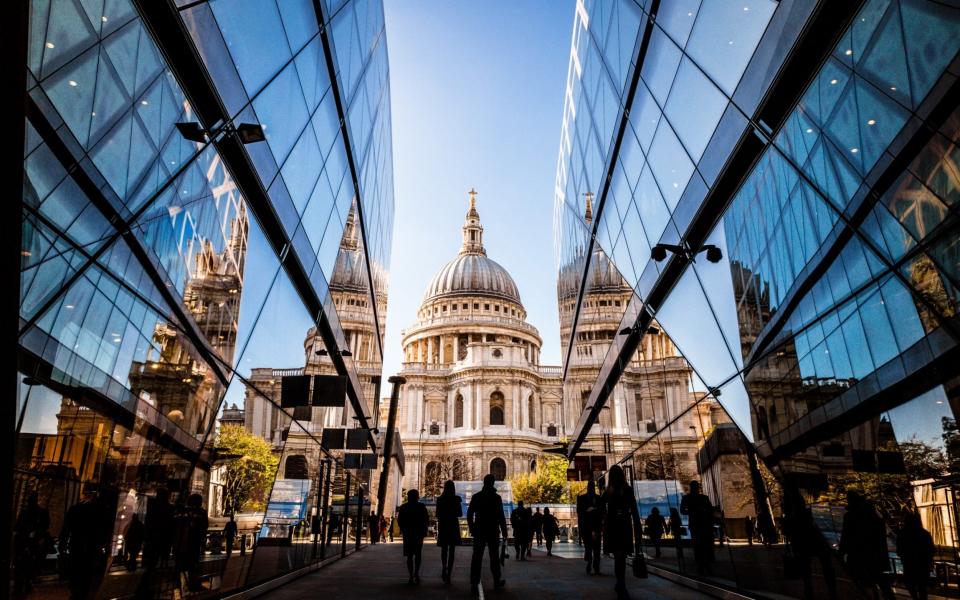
(413, 517)
(449, 511)
(621, 525)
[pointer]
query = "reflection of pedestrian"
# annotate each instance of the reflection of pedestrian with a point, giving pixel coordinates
(486, 521)
(230, 534)
(699, 513)
(863, 541)
(413, 525)
(334, 527)
(766, 527)
(807, 543)
(392, 524)
(133, 542)
(750, 526)
(383, 529)
(590, 525)
(551, 529)
(621, 525)
(521, 526)
(656, 527)
(190, 526)
(86, 536)
(158, 529)
(915, 547)
(449, 511)
(31, 539)
(373, 528)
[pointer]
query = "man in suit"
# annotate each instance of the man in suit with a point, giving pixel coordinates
(486, 521)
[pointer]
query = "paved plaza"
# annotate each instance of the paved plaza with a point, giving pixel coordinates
(380, 572)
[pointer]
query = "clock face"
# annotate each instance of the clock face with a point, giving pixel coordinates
(497, 353)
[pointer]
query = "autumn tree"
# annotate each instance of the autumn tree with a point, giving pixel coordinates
(548, 485)
(250, 471)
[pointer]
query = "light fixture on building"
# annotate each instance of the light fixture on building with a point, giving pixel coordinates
(659, 252)
(651, 330)
(247, 133)
(325, 352)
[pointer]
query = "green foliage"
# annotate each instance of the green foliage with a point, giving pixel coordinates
(250, 476)
(548, 485)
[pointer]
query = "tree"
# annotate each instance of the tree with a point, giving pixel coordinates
(548, 485)
(441, 467)
(250, 475)
(662, 466)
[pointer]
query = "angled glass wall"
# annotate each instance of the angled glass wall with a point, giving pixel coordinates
(813, 144)
(169, 253)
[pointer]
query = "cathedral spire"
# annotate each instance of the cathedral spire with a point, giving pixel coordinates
(588, 214)
(472, 230)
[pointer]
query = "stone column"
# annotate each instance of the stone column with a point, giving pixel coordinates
(430, 350)
(419, 408)
(478, 407)
(456, 347)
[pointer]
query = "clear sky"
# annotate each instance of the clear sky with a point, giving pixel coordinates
(477, 90)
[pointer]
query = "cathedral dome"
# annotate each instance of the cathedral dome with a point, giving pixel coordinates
(603, 276)
(472, 273)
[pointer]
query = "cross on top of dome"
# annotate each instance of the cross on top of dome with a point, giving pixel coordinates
(472, 230)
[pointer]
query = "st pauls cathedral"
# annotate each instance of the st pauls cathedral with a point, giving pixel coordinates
(478, 400)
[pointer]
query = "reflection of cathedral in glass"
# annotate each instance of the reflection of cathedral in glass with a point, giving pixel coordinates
(350, 295)
(655, 389)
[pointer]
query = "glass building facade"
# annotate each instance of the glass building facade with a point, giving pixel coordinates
(169, 249)
(813, 144)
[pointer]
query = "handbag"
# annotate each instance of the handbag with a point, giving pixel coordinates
(639, 566)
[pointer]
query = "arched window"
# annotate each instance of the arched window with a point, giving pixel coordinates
(532, 412)
(458, 411)
(295, 467)
(533, 466)
(496, 408)
(498, 468)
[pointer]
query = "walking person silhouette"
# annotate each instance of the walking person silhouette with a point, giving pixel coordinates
(621, 526)
(486, 521)
(413, 518)
(449, 511)
(590, 525)
(520, 525)
(551, 529)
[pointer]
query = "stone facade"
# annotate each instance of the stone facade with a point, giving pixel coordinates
(477, 399)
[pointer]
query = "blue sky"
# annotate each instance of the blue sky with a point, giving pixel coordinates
(477, 91)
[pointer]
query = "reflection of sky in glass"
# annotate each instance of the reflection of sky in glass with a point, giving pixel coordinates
(921, 418)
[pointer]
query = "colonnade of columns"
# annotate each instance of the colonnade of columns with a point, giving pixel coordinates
(432, 350)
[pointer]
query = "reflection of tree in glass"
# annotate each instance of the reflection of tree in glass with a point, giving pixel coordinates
(662, 466)
(548, 485)
(951, 442)
(892, 493)
(250, 475)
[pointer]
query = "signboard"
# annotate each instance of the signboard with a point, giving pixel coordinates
(295, 391)
(287, 507)
(357, 439)
(329, 390)
(333, 439)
